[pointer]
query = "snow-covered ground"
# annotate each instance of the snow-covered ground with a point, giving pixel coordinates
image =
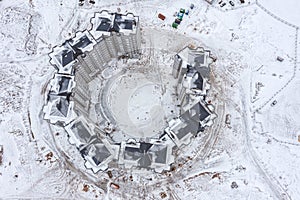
(254, 155)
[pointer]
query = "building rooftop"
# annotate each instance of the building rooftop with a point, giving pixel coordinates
(80, 132)
(203, 111)
(104, 23)
(63, 58)
(199, 58)
(149, 155)
(82, 42)
(194, 79)
(61, 85)
(189, 123)
(98, 154)
(58, 108)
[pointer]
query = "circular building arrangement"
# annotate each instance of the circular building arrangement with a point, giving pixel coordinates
(115, 108)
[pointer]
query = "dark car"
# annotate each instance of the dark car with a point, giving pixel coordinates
(231, 3)
(177, 21)
(274, 103)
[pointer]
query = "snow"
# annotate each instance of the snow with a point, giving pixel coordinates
(138, 101)
(278, 8)
(258, 149)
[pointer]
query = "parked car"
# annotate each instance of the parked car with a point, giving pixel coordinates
(161, 16)
(180, 15)
(222, 5)
(280, 59)
(177, 21)
(174, 25)
(274, 103)
(182, 10)
(231, 3)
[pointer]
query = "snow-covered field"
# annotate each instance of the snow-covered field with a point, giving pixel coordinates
(254, 155)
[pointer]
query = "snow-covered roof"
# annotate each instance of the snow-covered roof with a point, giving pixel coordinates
(63, 57)
(82, 42)
(180, 131)
(189, 123)
(193, 79)
(61, 84)
(104, 23)
(80, 132)
(59, 108)
(149, 155)
(198, 57)
(192, 68)
(98, 154)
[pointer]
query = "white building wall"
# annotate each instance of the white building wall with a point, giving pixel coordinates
(84, 64)
(138, 37)
(182, 72)
(82, 81)
(110, 43)
(119, 44)
(82, 75)
(79, 109)
(176, 66)
(125, 44)
(98, 59)
(91, 63)
(83, 92)
(102, 51)
(79, 99)
(181, 95)
(131, 44)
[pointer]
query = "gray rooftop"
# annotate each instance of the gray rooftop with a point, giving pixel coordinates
(82, 132)
(101, 153)
(97, 151)
(105, 24)
(191, 119)
(147, 154)
(81, 43)
(199, 59)
(123, 23)
(161, 154)
(203, 113)
(60, 107)
(204, 71)
(64, 84)
(65, 57)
